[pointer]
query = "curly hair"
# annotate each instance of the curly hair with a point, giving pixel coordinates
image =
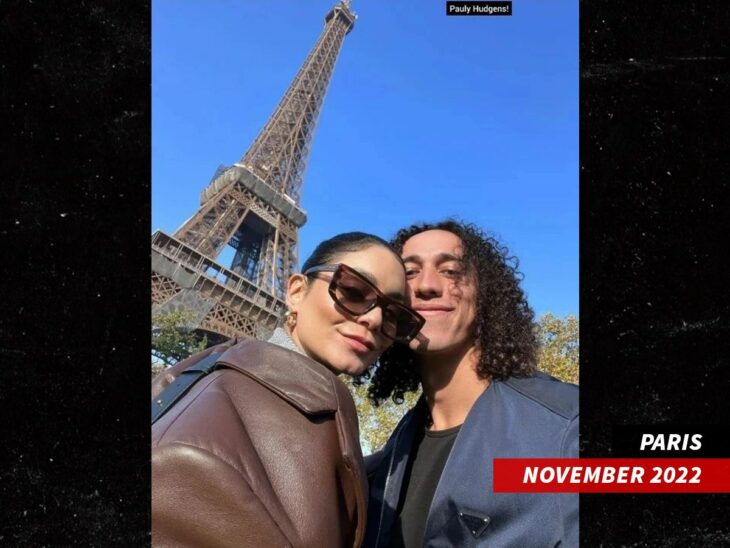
(504, 329)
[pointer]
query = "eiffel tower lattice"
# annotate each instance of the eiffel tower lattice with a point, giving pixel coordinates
(252, 206)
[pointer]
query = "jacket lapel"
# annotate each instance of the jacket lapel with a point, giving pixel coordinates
(314, 390)
(468, 473)
(385, 490)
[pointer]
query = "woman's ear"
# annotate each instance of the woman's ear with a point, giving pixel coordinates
(296, 289)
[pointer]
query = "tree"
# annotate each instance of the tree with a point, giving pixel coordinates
(558, 356)
(172, 341)
(559, 347)
(377, 423)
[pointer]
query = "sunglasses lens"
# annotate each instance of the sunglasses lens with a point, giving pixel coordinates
(399, 323)
(357, 296)
(354, 294)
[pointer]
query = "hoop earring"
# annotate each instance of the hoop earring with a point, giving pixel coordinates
(290, 318)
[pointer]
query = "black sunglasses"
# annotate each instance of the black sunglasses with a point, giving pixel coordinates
(357, 295)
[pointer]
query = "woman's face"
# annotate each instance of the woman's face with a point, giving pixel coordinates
(329, 334)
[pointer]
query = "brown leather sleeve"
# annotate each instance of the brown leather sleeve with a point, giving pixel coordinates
(199, 500)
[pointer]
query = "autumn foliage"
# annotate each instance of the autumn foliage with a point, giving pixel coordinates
(558, 357)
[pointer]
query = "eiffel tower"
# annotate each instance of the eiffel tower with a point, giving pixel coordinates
(252, 206)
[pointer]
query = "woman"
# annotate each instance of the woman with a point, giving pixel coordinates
(264, 450)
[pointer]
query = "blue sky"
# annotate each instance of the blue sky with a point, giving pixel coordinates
(427, 116)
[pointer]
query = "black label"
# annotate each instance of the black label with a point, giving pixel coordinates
(479, 8)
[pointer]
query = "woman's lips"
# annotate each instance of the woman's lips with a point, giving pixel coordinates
(356, 343)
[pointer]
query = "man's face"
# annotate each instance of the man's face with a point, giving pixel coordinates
(440, 291)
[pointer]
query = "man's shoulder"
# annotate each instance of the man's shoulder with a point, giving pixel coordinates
(553, 395)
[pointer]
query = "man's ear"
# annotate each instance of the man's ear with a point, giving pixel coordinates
(296, 289)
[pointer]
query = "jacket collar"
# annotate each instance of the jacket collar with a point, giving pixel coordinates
(306, 384)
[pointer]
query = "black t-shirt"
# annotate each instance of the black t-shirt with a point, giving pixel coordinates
(425, 464)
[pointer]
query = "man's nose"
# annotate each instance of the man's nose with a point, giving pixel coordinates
(427, 283)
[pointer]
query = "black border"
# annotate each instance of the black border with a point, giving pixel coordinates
(654, 227)
(74, 332)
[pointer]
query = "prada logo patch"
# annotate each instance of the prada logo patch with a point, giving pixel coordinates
(476, 524)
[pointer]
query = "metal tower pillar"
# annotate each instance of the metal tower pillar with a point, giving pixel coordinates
(253, 206)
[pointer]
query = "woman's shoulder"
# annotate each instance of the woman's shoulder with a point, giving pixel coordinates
(252, 375)
(303, 382)
(168, 375)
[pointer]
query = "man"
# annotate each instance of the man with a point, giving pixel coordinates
(475, 358)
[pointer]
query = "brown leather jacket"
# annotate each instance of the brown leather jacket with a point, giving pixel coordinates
(261, 452)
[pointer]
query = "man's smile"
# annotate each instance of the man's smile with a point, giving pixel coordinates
(433, 309)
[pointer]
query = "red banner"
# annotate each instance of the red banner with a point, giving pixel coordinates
(676, 475)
